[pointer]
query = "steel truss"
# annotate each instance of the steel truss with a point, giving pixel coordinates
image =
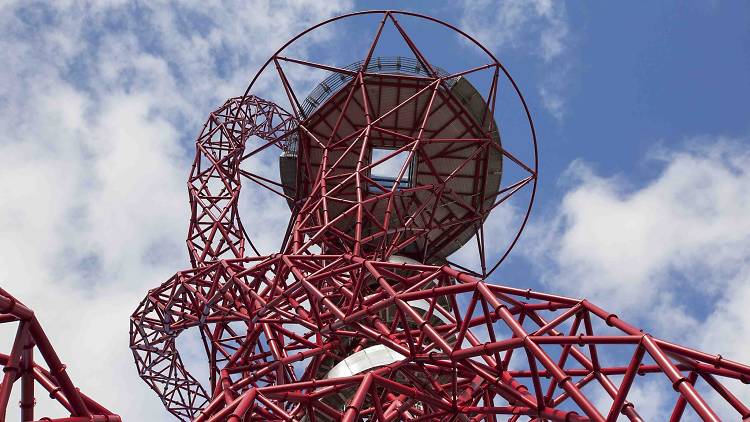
(51, 375)
(451, 346)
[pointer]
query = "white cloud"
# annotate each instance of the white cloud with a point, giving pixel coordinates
(99, 104)
(539, 26)
(516, 24)
(689, 221)
(671, 255)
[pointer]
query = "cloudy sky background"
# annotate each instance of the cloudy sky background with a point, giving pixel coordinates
(643, 126)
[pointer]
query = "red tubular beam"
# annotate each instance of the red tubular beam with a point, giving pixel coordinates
(627, 381)
(9, 305)
(242, 407)
(679, 407)
(12, 366)
(352, 410)
(27, 383)
(679, 382)
(715, 360)
(743, 410)
(57, 369)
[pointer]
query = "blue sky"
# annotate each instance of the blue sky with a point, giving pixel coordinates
(642, 119)
(646, 75)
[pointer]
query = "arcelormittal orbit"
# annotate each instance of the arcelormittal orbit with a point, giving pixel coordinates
(392, 166)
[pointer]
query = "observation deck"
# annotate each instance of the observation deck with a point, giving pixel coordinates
(450, 180)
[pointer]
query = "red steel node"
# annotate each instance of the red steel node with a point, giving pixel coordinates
(361, 316)
(20, 364)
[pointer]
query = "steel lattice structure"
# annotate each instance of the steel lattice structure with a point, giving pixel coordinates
(360, 316)
(21, 365)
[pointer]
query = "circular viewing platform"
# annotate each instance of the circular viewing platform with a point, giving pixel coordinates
(426, 143)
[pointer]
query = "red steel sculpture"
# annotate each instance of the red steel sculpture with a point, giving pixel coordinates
(20, 364)
(390, 165)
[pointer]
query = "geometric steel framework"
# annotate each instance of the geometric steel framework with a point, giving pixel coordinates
(215, 231)
(20, 364)
(360, 316)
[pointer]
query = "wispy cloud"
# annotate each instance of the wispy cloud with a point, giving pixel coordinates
(99, 103)
(540, 27)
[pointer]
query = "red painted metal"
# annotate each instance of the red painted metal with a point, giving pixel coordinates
(50, 373)
(276, 327)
